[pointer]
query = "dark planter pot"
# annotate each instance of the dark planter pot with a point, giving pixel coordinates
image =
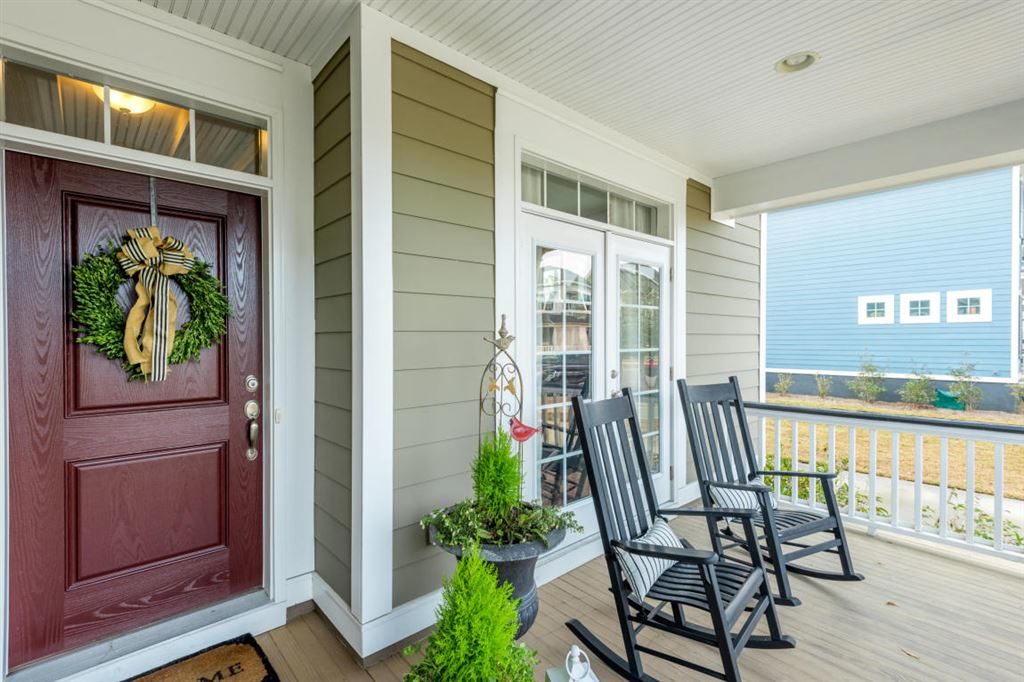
(515, 565)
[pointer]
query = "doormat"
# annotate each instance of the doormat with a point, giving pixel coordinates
(236, 660)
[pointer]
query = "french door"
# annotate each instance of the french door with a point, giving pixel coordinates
(639, 342)
(594, 317)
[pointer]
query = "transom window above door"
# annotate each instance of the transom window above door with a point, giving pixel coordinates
(59, 103)
(559, 188)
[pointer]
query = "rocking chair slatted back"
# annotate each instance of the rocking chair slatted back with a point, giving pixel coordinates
(623, 489)
(719, 434)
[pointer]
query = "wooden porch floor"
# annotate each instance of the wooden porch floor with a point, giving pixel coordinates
(919, 615)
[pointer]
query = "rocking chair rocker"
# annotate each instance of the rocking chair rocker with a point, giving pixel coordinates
(727, 472)
(648, 563)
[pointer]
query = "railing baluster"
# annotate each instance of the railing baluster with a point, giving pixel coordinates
(969, 506)
(872, 472)
(831, 448)
(997, 490)
(943, 486)
(851, 475)
(812, 489)
(778, 458)
(936, 438)
(793, 496)
(894, 501)
(918, 475)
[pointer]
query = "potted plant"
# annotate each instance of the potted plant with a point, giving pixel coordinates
(474, 640)
(511, 533)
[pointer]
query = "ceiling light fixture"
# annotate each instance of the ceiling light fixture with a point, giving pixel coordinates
(798, 61)
(125, 102)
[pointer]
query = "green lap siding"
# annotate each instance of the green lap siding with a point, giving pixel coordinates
(332, 205)
(443, 230)
(723, 305)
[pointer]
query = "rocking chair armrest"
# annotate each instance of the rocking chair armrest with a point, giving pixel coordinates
(823, 475)
(686, 556)
(709, 511)
(752, 487)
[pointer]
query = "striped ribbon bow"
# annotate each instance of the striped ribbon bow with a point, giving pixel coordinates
(149, 329)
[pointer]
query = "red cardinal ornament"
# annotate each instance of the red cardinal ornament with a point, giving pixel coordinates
(520, 431)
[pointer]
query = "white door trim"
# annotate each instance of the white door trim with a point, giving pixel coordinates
(16, 139)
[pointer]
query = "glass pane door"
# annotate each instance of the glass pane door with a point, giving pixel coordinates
(561, 348)
(639, 346)
(565, 367)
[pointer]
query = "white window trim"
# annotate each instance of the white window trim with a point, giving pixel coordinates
(933, 315)
(986, 305)
(862, 309)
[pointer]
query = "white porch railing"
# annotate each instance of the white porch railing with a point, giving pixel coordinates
(959, 483)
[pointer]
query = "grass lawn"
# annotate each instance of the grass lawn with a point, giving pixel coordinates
(984, 453)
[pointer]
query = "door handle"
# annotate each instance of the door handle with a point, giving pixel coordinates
(252, 411)
(254, 435)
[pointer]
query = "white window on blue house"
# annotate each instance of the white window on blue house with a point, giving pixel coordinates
(876, 309)
(919, 308)
(969, 305)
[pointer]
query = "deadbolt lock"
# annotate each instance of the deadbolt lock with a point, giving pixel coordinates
(251, 383)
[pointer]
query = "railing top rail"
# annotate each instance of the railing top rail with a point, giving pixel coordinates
(891, 418)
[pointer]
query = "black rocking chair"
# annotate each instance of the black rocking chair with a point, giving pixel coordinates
(682, 576)
(727, 471)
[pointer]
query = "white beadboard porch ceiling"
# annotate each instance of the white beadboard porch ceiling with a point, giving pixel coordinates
(695, 79)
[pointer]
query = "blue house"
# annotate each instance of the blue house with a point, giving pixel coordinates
(920, 278)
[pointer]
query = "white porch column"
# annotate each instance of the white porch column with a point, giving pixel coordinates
(373, 320)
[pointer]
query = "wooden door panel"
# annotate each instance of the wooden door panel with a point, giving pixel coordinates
(130, 502)
(114, 605)
(98, 383)
(87, 438)
(179, 502)
(35, 371)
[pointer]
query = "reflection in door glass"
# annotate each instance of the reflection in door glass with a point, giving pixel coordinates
(564, 368)
(639, 348)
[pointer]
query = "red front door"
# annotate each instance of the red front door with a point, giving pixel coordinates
(129, 501)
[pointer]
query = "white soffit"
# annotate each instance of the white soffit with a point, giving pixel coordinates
(696, 79)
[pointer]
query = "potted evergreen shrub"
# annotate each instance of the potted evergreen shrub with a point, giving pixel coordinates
(510, 532)
(474, 640)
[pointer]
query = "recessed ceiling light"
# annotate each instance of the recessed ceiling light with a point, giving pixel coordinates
(798, 61)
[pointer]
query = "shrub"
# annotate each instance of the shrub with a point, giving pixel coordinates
(804, 486)
(869, 384)
(784, 384)
(1017, 390)
(475, 636)
(496, 514)
(496, 476)
(918, 390)
(824, 385)
(965, 387)
(984, 522)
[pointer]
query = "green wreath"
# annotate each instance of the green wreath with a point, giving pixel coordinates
(100, 320)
